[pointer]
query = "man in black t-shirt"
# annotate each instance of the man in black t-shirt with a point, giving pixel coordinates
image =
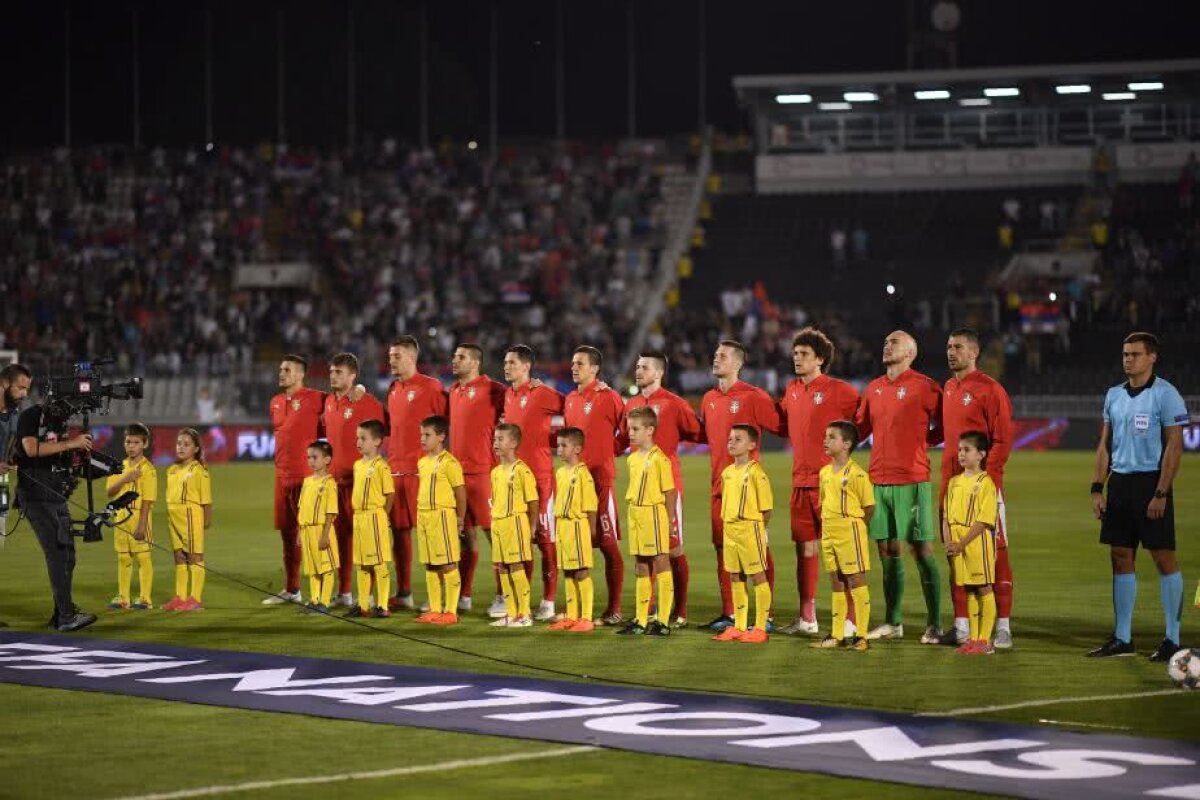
(42, 496)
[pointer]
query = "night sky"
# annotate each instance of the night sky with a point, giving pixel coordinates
(742, 37)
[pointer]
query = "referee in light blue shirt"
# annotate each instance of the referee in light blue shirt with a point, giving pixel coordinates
(1140, 446)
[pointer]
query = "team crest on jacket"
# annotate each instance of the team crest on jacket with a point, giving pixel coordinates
(471, 393)
(818, 398)
(901, 392)
(348, 413)
(587, 408)
(295, 405)
(967, 398)
(524, 400)
(734, 406)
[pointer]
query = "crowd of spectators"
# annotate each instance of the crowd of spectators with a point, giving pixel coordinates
(136, 254)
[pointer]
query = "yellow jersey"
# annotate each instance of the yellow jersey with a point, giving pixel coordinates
(971, 499)
(146, 487)
(845, 493)
(440, 475)
(372, 484)
(574, 492)
(650, 477)
(745, 493)
(318, 500)
(188, 485)
(513, 488)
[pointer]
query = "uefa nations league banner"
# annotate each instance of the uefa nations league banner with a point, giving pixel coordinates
(958, 754)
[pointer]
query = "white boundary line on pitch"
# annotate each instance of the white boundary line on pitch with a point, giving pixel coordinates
(956, 712)
(207, 791)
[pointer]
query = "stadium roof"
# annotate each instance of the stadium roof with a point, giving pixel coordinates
(1162, 80)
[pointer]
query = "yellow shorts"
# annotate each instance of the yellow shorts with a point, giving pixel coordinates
(574, 544)
(187, 528)
(649, 531)
(512, 541)
(977, 564)
(745, 547)
(437, 537)
(123, 541)
(372, 538)
(844, 546)
(316, 560)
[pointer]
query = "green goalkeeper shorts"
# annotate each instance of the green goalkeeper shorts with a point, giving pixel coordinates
(904, 511)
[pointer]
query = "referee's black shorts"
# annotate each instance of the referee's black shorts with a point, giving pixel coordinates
(1125, 523)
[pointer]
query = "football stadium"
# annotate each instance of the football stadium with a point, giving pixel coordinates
(656, 398)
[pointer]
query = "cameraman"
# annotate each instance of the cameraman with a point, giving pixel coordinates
(43, 488)
(14, 387)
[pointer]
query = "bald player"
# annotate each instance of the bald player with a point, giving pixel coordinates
(476, 405)
(731, 402)
(903, 410)
(598, 411)
(677, 422)
(974, 401)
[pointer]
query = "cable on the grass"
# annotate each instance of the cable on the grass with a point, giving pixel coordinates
(509, 662)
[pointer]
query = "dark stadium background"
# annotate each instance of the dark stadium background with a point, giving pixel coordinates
(742, 38)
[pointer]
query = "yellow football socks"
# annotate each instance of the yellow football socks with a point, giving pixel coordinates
(383, 585)
(453, 580)
(433, 583)
(145, 576)
(364, 589)
(572, 610)
(585, 597)
(987, 616)
(838, 631)
(181, 581)
(762, 605)
(666, 595)
(197, 574)
(124, 576)
(642, 591)
(861, 597)
(741, 604)
(508, 587)
(521, 589)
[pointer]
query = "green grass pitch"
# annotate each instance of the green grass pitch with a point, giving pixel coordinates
(68, 744)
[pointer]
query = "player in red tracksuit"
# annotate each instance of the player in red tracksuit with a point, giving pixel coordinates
(732, 402)
(903, 410)
(296, 420)
(476, 405)
(411, 398)
(599, 413)
(974, 401)
(341, 418)
(677, 422)
(809, 404)
(532, 409)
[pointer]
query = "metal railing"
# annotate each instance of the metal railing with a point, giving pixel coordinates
(668, 261)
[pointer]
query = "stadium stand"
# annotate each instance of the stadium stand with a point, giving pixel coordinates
(143, 256)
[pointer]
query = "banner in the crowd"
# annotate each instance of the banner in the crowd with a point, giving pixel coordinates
(223, 443)
(932, 750)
